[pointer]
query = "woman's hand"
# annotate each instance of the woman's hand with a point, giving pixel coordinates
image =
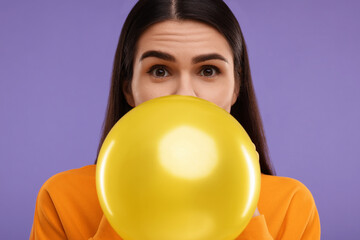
(256, 213)
(105, 231)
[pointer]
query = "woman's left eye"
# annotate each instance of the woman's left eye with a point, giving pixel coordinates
(209, 71)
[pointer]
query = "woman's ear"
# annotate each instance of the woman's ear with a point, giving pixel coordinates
(126, 88)
(236, 92)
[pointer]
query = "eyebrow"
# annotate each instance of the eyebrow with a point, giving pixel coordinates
(207, 57)
(158, 54)
(168, 57)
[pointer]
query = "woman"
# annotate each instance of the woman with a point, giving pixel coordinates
(179, 47)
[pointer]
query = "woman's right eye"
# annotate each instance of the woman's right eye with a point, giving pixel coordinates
(158, 71)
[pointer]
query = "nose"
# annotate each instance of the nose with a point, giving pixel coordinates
(185, 86)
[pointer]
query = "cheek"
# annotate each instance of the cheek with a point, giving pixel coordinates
(221, 93)
(141, 93)
(144, 90)
(140, 90)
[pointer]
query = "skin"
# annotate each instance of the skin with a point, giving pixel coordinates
(211, 79)
(183, 58)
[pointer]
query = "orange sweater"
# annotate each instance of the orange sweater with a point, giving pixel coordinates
(67, 207)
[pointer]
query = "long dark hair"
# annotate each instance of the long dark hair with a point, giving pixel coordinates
(212, 12)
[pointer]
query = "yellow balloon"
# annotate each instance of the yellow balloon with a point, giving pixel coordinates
(178, 168)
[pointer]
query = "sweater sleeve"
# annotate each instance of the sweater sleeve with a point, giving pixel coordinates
(302, 218)
(47, 224)
(289, 214)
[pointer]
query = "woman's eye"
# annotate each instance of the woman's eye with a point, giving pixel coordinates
(209, 71)
(158, 72)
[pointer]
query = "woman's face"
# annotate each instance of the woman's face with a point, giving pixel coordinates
(183, 58)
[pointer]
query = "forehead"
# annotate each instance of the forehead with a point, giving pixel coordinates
(185, 36)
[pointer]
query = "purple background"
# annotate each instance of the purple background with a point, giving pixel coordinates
(55, 65)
